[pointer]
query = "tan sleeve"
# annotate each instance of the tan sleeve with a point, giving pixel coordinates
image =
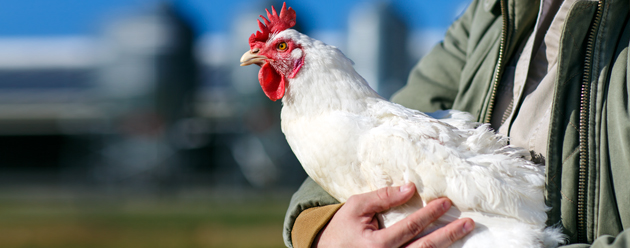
(310, 222)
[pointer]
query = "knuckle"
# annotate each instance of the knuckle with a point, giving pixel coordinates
(383, 194)
(452, 236)
(414, 227)
(436, 211)
(427, 244)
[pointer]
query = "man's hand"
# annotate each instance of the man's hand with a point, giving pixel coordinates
(355, 223)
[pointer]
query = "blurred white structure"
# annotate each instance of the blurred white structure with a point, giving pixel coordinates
(45, 86)
(377, 42)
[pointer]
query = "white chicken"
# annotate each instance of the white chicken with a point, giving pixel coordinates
(351, 141)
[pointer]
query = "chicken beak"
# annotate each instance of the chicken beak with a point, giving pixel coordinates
(252, 58)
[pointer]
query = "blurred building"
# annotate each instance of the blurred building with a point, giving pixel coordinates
(48, 115)
(146, 80)
(377, 42)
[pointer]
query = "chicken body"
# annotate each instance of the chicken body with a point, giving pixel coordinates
(351, 141)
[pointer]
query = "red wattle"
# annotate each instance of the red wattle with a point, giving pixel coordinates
(271, 82)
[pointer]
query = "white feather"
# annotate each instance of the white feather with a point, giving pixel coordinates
(351, 141)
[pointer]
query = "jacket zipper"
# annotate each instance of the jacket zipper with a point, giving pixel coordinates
(583, 127)
(497, 74)
(584, 102)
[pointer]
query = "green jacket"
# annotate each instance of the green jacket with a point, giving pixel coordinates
(588, 160)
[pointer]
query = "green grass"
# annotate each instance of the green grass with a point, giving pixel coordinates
(137, 224)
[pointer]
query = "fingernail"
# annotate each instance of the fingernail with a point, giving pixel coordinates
(405, 188)
(467, 227)
(446, 205)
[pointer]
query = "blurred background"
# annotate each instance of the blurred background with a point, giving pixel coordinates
(129, 123)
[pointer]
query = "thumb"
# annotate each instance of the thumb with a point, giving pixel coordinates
(384, 199)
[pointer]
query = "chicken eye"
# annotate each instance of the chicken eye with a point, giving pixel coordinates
(282, 46)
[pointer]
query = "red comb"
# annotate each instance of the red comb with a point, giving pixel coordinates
(275, 24)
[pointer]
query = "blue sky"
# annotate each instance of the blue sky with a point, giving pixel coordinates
(81, 17)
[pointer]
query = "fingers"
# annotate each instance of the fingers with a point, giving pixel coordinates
(368, 204)
(446, 235)
(383, 199)
(406, 229)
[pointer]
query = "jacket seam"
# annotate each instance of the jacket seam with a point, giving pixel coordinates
(575, 150)
(567, 198)
(573, 125)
